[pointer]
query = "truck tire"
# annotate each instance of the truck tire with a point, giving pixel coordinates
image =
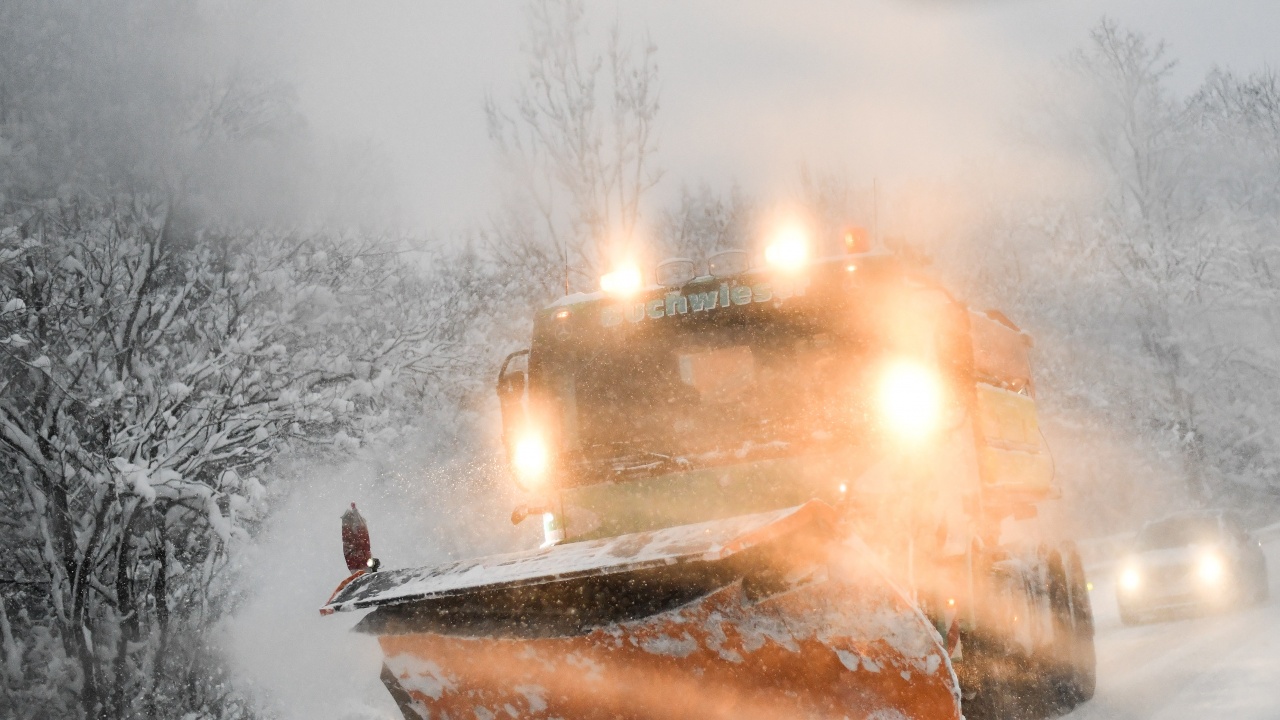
(1083, 652)
(1000, 678)
(991, 671)
(1065, 666)
(1061, 682)
(989, 682)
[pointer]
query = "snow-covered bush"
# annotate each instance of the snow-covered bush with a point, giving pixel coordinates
(147, 377)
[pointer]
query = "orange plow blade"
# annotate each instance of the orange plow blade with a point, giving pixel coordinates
(776, 615)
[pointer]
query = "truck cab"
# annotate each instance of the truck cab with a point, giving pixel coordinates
(723, 395)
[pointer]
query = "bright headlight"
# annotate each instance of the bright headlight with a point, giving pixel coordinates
(910, 399)
(623, 281)
(1130, 579)
(1209, 568)
(530, 461)
(789, 249)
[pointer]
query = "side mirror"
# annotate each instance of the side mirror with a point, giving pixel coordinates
(511, 386)
(512, 376)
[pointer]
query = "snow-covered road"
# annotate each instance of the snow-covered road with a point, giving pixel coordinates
(1203, 668)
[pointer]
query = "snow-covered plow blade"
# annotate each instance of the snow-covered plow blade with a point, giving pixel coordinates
(774, 615)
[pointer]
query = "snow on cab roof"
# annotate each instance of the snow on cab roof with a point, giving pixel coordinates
(578, 298)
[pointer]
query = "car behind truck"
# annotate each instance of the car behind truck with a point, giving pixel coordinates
(1190, 562)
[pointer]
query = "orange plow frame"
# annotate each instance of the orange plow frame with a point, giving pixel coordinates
(803, 624)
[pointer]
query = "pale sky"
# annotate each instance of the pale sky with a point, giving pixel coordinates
(750, 88)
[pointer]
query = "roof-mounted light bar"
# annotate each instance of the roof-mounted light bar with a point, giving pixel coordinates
(728, 262)
(675, 273)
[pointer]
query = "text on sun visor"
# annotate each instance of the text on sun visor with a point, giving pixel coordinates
(680, 304)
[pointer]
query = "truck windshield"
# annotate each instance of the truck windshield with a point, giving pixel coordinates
(703, 394)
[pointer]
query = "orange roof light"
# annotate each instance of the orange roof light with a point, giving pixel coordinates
(856, 240)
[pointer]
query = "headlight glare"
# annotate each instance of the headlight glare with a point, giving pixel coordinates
(789, 250)
(624, 281)
(1130, 579)
(910, 399)
(1209, 568)
(530, 461)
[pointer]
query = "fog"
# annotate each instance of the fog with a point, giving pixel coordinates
(894, 90)
(329, 222)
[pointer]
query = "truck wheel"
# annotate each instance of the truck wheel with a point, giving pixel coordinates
(996, 702)
(1058, 661)
(1082, 653)
(994, 672)
(1067, 663)
(989, 683)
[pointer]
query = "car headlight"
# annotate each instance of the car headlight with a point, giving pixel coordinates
(1209, 568)
(530, 461)
(1130, 579)
(910, 399)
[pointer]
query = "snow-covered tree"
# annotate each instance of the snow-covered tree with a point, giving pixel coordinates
(1141, 256)
(578, 148)
(704, 222)
(149, 377)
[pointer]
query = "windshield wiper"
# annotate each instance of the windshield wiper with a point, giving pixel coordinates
(624, 460)
(664, 459)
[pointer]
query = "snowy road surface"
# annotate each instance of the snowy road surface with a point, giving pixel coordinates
(1203, 668)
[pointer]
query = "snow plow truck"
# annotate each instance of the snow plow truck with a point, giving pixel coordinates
(792, 488)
